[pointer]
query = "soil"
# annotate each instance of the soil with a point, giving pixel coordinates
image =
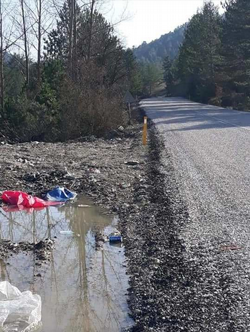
(127, 179)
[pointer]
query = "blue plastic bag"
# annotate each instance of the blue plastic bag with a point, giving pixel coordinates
(60, 194)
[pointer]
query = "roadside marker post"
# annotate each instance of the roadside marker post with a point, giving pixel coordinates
(145, 130)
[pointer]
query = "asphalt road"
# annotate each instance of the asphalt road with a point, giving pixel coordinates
(210, 151)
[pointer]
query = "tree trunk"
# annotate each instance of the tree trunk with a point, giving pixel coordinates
(71, 28)
(1, 61)
(90, 29)
(74, 56)
(25, 44)
(39, 44)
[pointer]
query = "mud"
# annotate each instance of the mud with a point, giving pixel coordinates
(42, 249)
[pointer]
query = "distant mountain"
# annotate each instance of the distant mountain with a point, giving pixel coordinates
(156, 50)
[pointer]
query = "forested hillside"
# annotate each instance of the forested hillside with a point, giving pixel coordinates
(166, 45)
(213, 64)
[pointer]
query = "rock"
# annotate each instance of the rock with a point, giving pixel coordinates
(69, 177)
(114, 209)
(100, 238)
(40, 245)
(124, 185)
(31, 177)
(94, 170)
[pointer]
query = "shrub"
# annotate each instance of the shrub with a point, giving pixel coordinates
(28, 120)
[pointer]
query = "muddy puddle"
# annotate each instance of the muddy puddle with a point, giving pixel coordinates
(82, 289)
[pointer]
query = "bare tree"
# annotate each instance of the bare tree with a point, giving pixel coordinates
(92, 6)
(39, 37)
(3, 40)
(1, 60)
(71, 29)
(25, 39)
(40, 16)
(74, 51)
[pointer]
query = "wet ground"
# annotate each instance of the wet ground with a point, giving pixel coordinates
(83, 288)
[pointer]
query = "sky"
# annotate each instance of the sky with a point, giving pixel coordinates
(146, 20)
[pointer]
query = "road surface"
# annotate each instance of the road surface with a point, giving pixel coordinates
(210, 151)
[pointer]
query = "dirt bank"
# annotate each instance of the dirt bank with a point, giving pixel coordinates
(127, 179)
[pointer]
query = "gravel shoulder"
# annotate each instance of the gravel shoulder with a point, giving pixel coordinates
(206, 172)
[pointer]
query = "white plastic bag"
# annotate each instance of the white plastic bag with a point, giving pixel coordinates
(19, 312)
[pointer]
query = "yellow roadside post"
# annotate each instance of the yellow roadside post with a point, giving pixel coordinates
(145, 129)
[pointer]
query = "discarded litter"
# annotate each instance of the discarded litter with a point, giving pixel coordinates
(69, 233)
(94, 170)
(19, 198)
(124, 185)
(19, 311)
(60, 194)
(115, 237)
(84, 206)
(132, 162)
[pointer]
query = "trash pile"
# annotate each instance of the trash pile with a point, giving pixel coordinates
(23, 200)
(19, 311)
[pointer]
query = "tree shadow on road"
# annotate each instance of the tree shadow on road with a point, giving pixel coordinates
(182, 115)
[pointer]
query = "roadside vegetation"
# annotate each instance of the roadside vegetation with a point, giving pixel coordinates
(63, 71)
(213, 62)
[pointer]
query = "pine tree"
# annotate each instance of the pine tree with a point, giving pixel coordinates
(199, 55)
(152, 77)
(236, 53)
(57, 41)
(134, 80)
(168, 75)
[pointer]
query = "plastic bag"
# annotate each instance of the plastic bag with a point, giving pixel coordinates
(20, 198)
(60, 194)
(19, 311)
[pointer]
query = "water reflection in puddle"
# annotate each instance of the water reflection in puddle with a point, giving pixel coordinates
(82, 289)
